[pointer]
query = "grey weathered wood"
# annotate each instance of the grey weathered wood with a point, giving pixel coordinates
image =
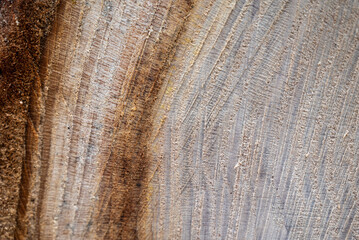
(260, 137)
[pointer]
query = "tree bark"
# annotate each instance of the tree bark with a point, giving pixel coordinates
(156, 119)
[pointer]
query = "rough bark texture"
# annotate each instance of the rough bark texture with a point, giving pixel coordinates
(158, 119)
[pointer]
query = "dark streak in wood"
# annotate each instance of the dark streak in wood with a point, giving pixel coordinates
(125, 175)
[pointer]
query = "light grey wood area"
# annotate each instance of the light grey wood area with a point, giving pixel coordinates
(259, 124)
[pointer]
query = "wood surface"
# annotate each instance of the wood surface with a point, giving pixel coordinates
(179, 119)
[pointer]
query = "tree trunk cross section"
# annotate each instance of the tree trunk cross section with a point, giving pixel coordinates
(157, 119)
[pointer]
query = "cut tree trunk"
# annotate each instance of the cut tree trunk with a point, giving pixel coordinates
(179, 119)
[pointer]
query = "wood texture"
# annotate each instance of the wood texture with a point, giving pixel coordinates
(211, 119)
(23, 27)
(260, 139)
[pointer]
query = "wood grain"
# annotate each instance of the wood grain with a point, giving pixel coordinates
(211, 119)
(23, 29)
(100, 77)
(260, 131)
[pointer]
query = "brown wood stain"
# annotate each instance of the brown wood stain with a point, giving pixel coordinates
(125, 178)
